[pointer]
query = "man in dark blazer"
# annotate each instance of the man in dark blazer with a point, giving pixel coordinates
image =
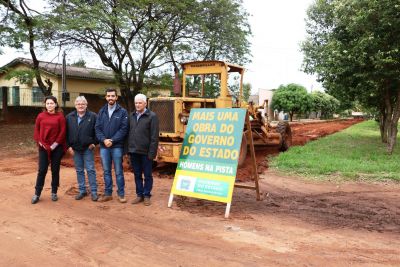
(142, 147)
(81, 141)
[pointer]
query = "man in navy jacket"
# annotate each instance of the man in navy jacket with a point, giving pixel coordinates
(111, 131)
(81, 141)
(143, 145)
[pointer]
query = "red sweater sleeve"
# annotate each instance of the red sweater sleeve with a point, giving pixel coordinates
(61, 134)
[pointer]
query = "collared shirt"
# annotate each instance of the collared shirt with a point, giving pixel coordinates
(138, 115)
(111, 110)
(80, 117)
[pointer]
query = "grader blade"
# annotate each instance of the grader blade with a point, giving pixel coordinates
(267, 140)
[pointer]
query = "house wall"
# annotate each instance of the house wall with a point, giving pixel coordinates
(268, 94)
(24, 105)
(95, 90)
(23, 95)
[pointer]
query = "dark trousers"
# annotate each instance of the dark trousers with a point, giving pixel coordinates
(55, 161)
(141, 164)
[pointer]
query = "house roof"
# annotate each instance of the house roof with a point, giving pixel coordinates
(72, 71)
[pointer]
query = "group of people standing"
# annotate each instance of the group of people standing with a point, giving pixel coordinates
(79, 133)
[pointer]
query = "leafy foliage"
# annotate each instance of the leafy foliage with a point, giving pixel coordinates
(135, 37)
(220, 32)
(246, 91)
(292, 98)
(132, 37)
(324, 104)
(80, 63)
(354, 47)
(23, 76)
(157, 81)
(20, 24)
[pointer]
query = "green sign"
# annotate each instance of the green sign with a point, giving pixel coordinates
(209, 156)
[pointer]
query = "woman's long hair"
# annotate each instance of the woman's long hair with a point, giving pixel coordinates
(57, 109)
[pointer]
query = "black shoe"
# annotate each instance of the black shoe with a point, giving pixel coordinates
(54, 197)
(94, 197)
(35, 199)
(80, 196)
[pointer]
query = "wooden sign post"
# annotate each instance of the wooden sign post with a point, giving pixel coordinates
(255, 177)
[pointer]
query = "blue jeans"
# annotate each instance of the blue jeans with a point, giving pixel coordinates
(85, 160)
(108, 156)
(142, 164)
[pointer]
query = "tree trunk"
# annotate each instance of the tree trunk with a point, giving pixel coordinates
(291, 115)
(392, 127)
(46, 90)
(382, 119)
(127, 97)
(388, 113)
(392, 137)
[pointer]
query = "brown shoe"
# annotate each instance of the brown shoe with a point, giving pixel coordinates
(105, 198)
(121, 199)
(147, 201)
(137, 200)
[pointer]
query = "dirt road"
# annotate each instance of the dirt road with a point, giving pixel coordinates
(299, 223)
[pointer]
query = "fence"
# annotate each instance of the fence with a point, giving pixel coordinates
(31, 97)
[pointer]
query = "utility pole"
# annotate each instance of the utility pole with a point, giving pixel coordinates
(65, 94)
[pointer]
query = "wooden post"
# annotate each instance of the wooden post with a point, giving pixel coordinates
(228, 208)
(253, 158)
(171, 198)
(249, 136)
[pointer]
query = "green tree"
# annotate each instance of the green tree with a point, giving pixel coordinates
(324, 104)
(354, 48)
(23, 76)
(246, 91)
(221, 32)
(135, 37)
(19, 25)
(80, 63)
(157, 81)
(291, 98)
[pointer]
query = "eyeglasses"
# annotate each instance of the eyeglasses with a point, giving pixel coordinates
(81, 104)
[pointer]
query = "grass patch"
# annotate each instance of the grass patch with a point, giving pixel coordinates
(355, 153)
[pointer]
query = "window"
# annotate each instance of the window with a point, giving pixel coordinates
(37, 95)
(15, 96)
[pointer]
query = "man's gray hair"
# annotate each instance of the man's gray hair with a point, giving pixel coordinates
(140, 97)
(81, 98)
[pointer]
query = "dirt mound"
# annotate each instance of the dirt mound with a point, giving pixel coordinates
(304, 132)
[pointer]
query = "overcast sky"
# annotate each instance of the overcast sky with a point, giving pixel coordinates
(278, 28)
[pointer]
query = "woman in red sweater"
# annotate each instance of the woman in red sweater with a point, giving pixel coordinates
(50, 137)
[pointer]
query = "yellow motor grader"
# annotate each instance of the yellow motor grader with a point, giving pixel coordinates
(212, 84)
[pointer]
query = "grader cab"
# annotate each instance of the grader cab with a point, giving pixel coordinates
(211, 84)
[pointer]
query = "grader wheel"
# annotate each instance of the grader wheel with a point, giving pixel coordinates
(284, 129)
